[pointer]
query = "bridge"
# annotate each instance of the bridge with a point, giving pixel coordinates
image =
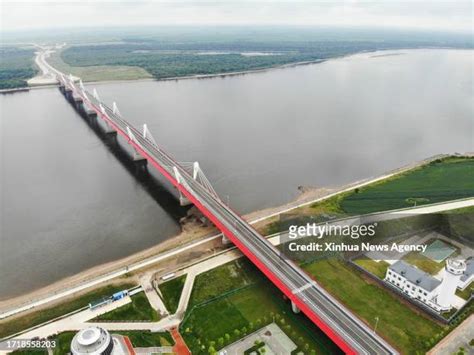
(338, 323)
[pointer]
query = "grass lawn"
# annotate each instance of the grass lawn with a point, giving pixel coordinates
(223, 279)
(24, 322)
(171, 292)
(63, 345)
(218, 321)
(443, 180)
(448, 179)
(137, 310)
(401, 325)
(423, 263)
(466, 293)
(148, 339)
(378, 268)
(63, 342)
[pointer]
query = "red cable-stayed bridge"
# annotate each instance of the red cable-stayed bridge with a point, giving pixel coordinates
(336, 321)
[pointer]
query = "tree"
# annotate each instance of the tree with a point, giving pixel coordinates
(237, 333)
(220, 341)
(211, 350)
(227, 337)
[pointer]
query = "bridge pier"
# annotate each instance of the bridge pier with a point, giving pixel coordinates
(141, 163)
(294, 308)
(68, 94)
(91, 118)
(183, 200)
(225, 240)
(78, 103)
(109, 130)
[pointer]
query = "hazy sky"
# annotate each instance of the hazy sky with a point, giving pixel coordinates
(456, 15)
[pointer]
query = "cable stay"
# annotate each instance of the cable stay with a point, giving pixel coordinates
(147, 134)
(194, 169)
(95, 94)
(115, 109)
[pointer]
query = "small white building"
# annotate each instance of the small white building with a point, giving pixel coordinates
(414, 283)
(98, 341)
(92, 340)
(435, 293)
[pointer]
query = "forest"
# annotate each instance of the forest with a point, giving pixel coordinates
(16, 67)
(166, 53)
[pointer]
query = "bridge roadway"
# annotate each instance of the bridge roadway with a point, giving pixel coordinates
(339, 324)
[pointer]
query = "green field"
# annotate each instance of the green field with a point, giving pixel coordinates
(98, 72)
(423, 263)
(29, 352)
(404, 328)
(137, 310)
(38, 317)
(439, 181)
(221, 280)
(378, 268)
(442, 180)
(16, 66)
(171, 292)
(225, 312)
(63, 343)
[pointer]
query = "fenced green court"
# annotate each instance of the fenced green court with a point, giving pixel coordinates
(438, 251)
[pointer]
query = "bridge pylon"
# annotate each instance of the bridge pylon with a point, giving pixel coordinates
(183, 200)
(137, 157)
(194, 169)
(147, 134)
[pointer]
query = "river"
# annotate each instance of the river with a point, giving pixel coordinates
(69, 202)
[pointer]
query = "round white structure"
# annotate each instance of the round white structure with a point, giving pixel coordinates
(453, 271)
(92, 341)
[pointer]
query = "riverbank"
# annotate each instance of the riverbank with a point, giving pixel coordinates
(140, 78)
(192, 233)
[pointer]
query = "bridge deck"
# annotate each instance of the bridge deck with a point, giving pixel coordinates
(346, 330)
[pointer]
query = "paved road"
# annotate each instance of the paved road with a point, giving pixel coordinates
(150, 292)
(459, 337)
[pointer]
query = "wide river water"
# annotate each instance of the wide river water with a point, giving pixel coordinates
(69, 202)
